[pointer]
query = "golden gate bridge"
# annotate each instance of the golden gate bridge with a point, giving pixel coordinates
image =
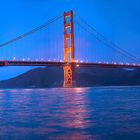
(68, 41)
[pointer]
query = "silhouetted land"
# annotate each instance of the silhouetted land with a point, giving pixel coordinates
(53, 77)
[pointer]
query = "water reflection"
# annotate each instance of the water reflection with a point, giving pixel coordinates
(75, 110)
(69, 114)
(72, 115)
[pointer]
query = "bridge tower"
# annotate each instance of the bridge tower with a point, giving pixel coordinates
(68, 49)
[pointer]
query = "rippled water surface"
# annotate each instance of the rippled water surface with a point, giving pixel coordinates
(105, 113)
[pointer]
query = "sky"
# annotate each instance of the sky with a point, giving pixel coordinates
(116, 19)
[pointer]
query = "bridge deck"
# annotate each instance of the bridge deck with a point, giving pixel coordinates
(76, 64)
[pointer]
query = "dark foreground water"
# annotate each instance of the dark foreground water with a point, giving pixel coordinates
(105, 113)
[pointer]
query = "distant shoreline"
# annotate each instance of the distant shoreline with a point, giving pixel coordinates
(97, 87)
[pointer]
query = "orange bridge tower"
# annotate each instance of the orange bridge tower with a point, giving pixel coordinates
(68, 49)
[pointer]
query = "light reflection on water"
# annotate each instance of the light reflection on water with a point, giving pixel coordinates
(70, 114)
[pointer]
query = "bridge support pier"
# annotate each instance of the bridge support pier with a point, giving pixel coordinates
(68, 76)
(68, 49)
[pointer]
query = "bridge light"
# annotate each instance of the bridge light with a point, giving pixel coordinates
(77, 65)
(127, 63)
(14, 58)
(23, 59)
(81, 61)
(42, 59)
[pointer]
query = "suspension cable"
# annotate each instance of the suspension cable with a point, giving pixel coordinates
(31, 31)
(108, 40)
(106, 44)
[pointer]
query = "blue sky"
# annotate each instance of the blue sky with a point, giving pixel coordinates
(116, 19)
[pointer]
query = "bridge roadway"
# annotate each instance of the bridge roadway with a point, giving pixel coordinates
(76, 64)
